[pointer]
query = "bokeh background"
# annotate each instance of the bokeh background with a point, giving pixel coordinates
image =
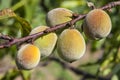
(102, 58)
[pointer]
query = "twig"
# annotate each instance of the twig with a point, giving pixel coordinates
(5, 37)
(52, 29)
(111, 5)
(78, 71)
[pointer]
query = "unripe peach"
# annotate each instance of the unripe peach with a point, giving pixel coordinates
(28, 57)
(58, 16)
(97, 24)
(45, 43)
(71, 45)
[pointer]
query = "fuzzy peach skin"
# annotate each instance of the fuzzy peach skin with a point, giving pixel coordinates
(58, 15)
(97, 24)
(71, 45)
(45, 43)
(28, 57)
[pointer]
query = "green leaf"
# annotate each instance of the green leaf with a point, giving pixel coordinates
(26, 74)
(114, 77)
(10, 74)
(25, 26)
(5, 3)
(116, 69)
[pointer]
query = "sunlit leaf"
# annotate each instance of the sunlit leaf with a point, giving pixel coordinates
(25, 26)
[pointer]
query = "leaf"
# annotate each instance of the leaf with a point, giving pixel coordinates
(5, 3)
(6, 13)
(10, 74)
(25, 26)
(114, 77)
(116, 69)
(25, 74)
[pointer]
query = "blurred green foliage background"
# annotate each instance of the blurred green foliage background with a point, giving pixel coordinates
(102, 58)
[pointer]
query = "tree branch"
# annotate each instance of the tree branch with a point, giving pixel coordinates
(53, 28)
(111, 5)
(78, 71)
(5, 37)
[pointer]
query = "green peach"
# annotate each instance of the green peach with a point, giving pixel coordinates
(45, 43)
(58, 16)
(71, 45)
